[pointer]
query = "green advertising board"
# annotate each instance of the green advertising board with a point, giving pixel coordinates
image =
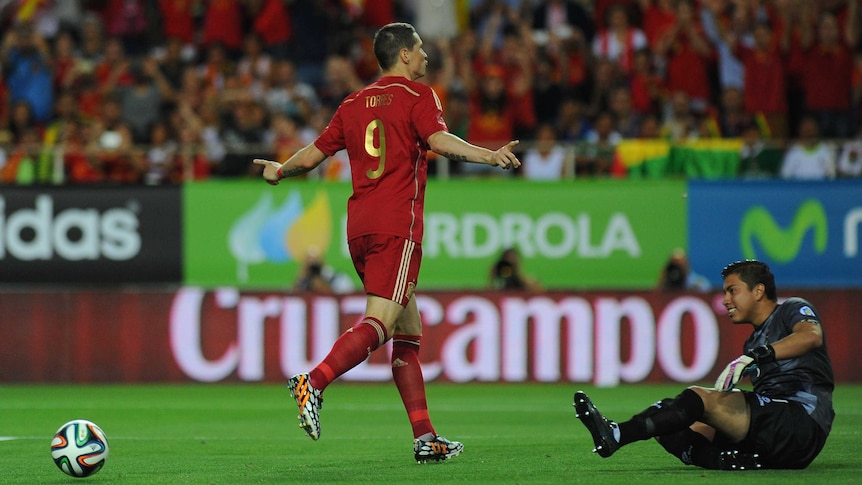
(613, 234)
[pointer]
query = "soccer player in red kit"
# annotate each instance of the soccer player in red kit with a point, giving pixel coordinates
(387, 128)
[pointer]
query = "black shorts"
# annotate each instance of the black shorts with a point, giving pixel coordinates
(781, 432)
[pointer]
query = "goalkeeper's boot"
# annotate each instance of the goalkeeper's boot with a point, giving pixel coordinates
(309, 400)
(738, 461)
(599, 427)
(438, 449)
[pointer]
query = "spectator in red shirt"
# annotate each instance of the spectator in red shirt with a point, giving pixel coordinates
(512, 61)
(571, 62)
(688, 54)
(787, 18)
(493, 114)
(658, 17)
(273, 24)
(89, 96)
(764, 90)
(67, 64)
(501, 98)
(827, 79)
(517, 57)
(223, 25)
(127, 21)
(178, 19)
(80, 164)
(114, 70)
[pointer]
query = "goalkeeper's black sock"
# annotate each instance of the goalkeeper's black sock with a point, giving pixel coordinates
(692, 448)
(665, 417)
(655, 408)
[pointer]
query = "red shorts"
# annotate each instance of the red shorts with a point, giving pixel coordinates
(387, 265)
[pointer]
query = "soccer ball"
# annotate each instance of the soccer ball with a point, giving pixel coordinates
(79, 448)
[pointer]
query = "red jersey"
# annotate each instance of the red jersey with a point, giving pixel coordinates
(657, 21)
(178, 19)
(223, 23)
(765, 90)
(687, 71)
(827, 79)
(273, 23)
(385, 128)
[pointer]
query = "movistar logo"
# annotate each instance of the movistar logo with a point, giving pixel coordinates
(782, 245)
(279, 234)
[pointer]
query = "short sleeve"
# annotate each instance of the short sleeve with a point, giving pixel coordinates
(428, 115)
(332, 138)
(800, 310)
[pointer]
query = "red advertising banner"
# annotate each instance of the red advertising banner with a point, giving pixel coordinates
(604, 338)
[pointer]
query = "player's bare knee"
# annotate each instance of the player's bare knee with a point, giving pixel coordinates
(704, 393)
(713, 400)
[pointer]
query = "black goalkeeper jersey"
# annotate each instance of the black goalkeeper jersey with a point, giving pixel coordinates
(807, 379)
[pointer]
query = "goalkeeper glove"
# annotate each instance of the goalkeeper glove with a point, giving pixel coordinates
(744, 365)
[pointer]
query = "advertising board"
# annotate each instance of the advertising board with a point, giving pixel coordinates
(230, 335)
(84, 234)
(598, 234)
(808, 232)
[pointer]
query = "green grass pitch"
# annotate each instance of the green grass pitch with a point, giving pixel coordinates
(248, 433)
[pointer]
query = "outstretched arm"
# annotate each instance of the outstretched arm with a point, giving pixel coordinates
(454, 148)
(303, 161)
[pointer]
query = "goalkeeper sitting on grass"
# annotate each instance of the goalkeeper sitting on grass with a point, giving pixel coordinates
(783, 423)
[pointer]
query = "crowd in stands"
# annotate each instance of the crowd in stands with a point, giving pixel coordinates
(165, 91)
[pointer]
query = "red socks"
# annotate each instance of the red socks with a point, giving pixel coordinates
(357, 343)
(407, 374)
(351, 348)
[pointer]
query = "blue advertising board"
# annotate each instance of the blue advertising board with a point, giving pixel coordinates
(808, 232)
